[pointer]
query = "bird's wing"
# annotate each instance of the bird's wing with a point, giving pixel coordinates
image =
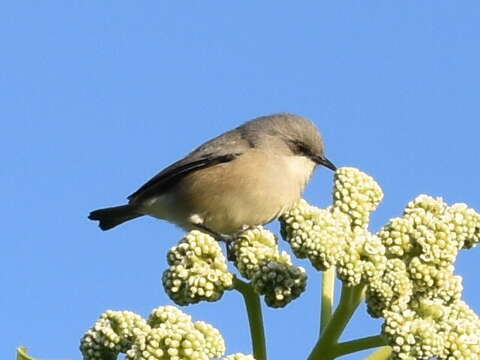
(222, 149)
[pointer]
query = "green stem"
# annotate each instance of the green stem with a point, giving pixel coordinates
(255, 319)
(352, 346)
(22, 354)
(328, 294)
(349, 301)
(381, 354)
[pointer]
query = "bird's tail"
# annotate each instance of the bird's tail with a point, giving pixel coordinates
(110, 217)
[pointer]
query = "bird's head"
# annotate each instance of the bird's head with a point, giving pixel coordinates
(293, 134)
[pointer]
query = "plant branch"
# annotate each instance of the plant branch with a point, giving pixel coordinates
(349, 301)
(22, 354)
(352, 346)
(328, 295)
(255, 319)
(381, 354)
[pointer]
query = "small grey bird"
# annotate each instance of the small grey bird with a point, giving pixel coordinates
(245, 177)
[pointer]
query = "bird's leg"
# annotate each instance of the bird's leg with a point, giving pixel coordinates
(225, 238)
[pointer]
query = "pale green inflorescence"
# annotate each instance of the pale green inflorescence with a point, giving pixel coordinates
(393, 290)
(432, 329)
(427, 239)
(407, 267)
(270, 270)
(317, 234)
(357, 195)
(169, 334)
(364, 258)
(338, 236)
(198, 270)
(254, 248)
(434, 322)
(279, 282)
(239, 356)
(175, 337)
(462, 328)
(113, 333)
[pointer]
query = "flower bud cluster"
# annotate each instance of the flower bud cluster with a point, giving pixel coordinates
(271, 271)
(198, 270)
(317, 234)
(407, 268)
(364, 258)
(338, 236)
(393, 290)
(113, 333)
(462, 333)
(279, 282)
(417, 299)
(427, 238)
(430, 329)
(254, 248)
(356, 194)
(169, 334)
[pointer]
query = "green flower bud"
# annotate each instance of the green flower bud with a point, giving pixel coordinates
(112, 334)
(427, 239)
(321, 235)
(429, 205)
(198, 270)
(392, 291)
(435, 282)
(462, 326)
(464, 223)
(254, 248)
(280, 283)
(396, 237)
(174, 336)
(214, 343)
(426, 308)
(356, 194)
(363, 260)
(431, 231)
(411, 336)
(165, 316)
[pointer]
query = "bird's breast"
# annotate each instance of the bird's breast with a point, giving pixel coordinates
(251, 190)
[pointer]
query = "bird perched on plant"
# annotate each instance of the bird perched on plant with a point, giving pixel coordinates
(245, 177)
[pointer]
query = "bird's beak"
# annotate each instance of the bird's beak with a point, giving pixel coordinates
(322, 160)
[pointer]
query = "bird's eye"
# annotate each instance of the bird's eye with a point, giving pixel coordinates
(300, 148)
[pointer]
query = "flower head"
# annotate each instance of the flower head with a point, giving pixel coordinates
(407, 267)
(113, 333)
(198, 270)
(258, 258)
(169, 334)
(356, 194)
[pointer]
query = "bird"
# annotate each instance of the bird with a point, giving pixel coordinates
(243, 178)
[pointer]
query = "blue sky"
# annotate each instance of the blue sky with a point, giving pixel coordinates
(97, 96)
